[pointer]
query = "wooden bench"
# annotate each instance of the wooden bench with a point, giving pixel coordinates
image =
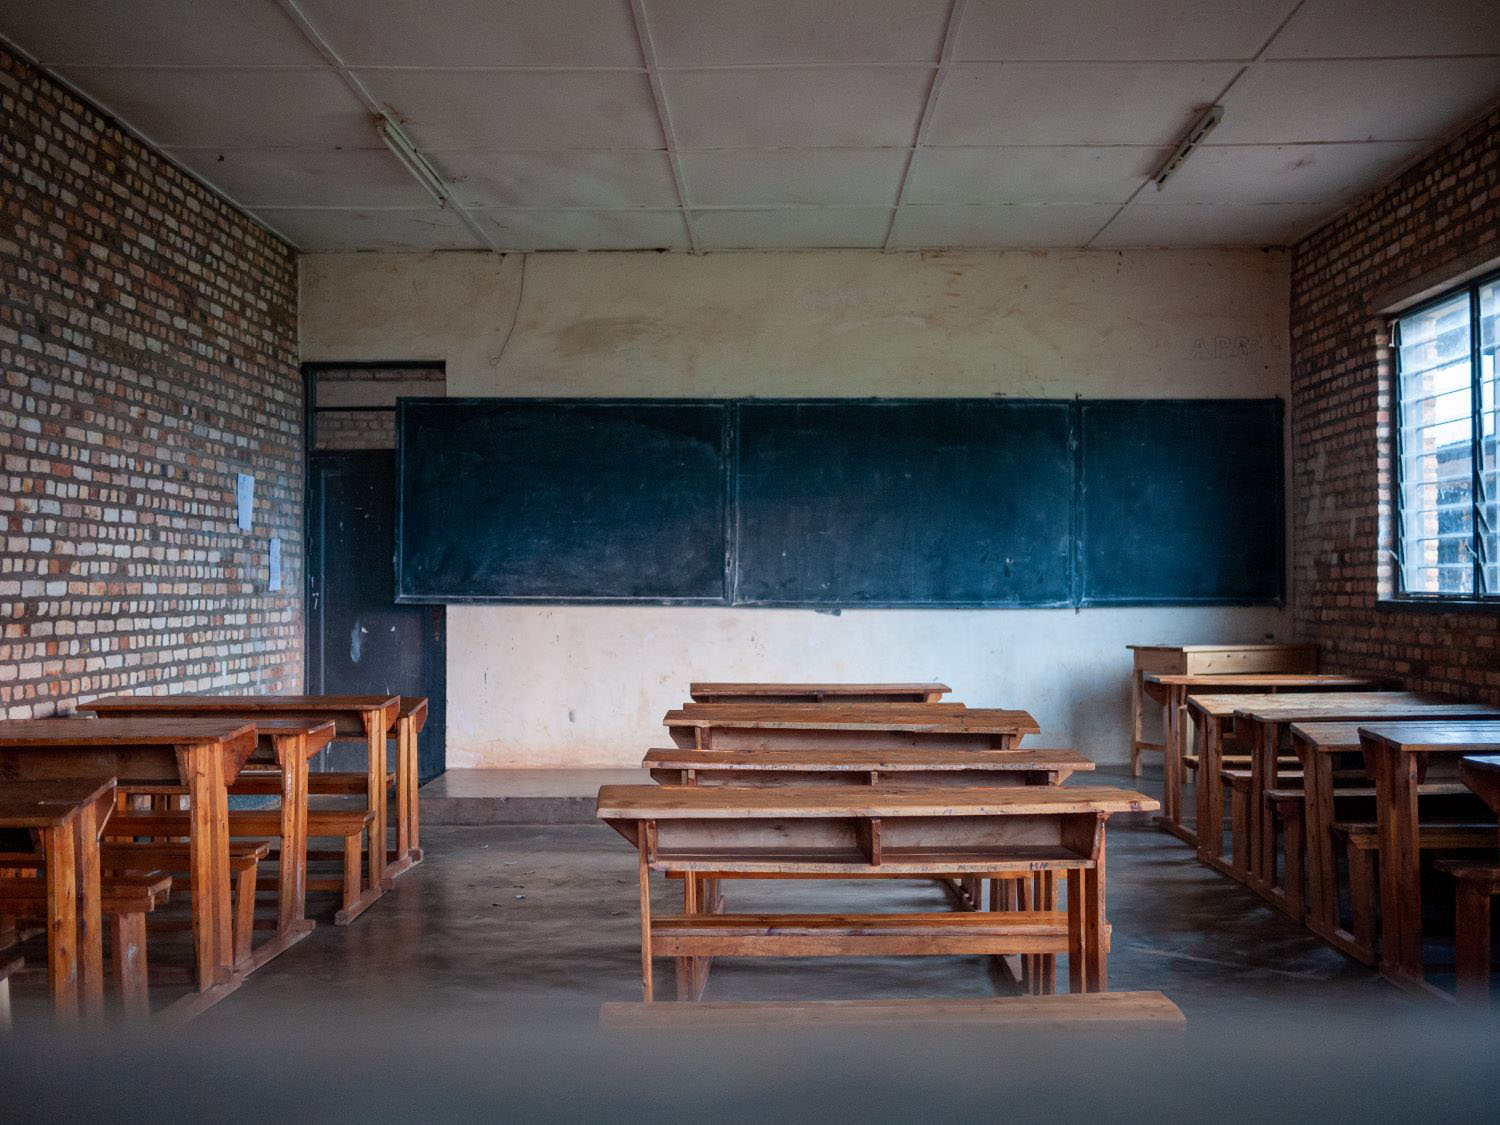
(701, 692)
(876, 726)
(347, 825)
(1101, 1010)
(825, 832)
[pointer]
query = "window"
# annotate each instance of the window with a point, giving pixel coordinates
(1447, 474)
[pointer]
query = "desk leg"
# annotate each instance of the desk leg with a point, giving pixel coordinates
(642, 835)
(406, 772)
(1210, 789)
(1095, 957)
(1255, 734)
(692, 972)
(375, 742)
(90, 917)
(1322, 875)
(208, 862)
(1171, 769)
(1137, 685)
(291, 877)
(1075, 930)
(62, 920)
(1400, 866)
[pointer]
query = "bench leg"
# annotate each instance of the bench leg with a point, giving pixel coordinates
(1239, 829)
(1095, 956)
(1075, 931)
(353, 854)
(1472, 942)
(1362, 879)
(647, 992)
(692, 972)
(1137, 684)
(1046, 899)
(244, 910)
(1291, 869)
(127, 951)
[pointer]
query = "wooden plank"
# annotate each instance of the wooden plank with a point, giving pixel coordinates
(932, 717)
(663, 802)
(836, 759)
(709, 692)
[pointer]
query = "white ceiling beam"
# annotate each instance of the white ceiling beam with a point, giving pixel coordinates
(664, 118)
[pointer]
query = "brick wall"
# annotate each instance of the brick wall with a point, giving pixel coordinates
(1434, 218)
(148, 351)
(373, 389)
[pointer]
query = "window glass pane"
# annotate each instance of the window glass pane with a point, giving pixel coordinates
(1436, 430)
(1489, 476)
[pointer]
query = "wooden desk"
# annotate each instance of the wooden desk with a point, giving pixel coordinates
(68, 814)
(372, 717)
(1398, 755)
(1481, 773)
(1171, 691)
(754, 726)
(203, 755)
(923, 769)
(825, 832)
(1261, 723)
(1204, 659)
(816, 693)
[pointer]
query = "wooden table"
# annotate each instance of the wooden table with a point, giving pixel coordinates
(1261, 723)
(68, 814)
(1205, 660)
(203, 755)
(756, 726)
(923, 769)
(861, 832)
(372, 717)
(816, 693)
(1171, 691)
(1398, 755)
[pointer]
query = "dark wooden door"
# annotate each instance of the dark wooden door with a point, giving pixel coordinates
(359, 641)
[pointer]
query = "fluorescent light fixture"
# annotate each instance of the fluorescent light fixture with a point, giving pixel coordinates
(1201, 128)
(412, 160)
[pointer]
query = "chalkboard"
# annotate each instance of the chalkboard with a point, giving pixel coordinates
(1180, 502)
(562, 500)
(930, 502)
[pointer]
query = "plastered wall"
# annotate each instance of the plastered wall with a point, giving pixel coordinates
(542, 686)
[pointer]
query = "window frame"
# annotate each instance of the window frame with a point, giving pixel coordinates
(1478, 596)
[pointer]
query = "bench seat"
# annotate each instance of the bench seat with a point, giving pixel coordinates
(875, 935)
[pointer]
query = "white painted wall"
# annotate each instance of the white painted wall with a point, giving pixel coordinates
(587, 685)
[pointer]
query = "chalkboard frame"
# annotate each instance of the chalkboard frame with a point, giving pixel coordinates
(726, 511)
(731, 515)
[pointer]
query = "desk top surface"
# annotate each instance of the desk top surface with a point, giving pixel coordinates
(1435, 737)
(166, 731)
(48, 804)
(693, 802)
(1250, 680)
(714, 688)
(1330, 705)
(940, 717)
(832, 760)
(1258, 646)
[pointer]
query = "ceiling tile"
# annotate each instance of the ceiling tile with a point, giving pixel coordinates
(809, 107)
(601, 180)
(524, 109)
(1319, 173)
(231, 108)
(586, 230)
(806, 227)
(1211, 224)
(427, 228)
(1073, 103)
(1356, 100)
(730, 32)
(1119, 29)
(1369, 28)
(833, 176)
(1007, 226)
(294, 177)
(477, 32)
(156, 33)
(1020, 174)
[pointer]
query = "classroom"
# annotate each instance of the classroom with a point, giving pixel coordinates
(652, 532)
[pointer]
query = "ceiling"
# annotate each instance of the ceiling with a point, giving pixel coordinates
(764, 124)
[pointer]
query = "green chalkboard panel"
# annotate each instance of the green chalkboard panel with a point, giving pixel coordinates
(1180, 502)
(562, 500)
(929, 502)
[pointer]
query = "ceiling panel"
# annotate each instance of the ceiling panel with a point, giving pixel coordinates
(156, 33)
(211, 108)
(439, 33)
(427, 228)
(586, 230)
(523, 109)
(1282, 173)
(295, 177)
(603, 180)
(831, 176)
(1073, 103)
(1021, 174)
(1363, 100)
(1355, 28)
(1119, 29)
(836, 227)
(800, 107)
(1007, 226)
(1148, 223)
(732, 32)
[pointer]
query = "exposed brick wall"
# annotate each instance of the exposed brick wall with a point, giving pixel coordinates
(1429, 219)
(367, 386)
(148, 350)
